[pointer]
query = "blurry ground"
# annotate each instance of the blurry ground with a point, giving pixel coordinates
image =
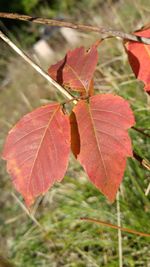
(54, 235)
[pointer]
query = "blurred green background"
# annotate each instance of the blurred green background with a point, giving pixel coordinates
(52, 234)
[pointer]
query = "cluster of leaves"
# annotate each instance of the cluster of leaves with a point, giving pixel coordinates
(37, 148)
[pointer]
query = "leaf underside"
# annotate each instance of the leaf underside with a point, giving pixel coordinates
(37, 151)
(104, 141)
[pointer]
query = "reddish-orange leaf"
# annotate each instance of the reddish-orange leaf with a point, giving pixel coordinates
(139, 57)
(37, 151)
(104, 140)
(76, 70)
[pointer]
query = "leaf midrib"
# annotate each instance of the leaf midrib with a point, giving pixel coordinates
(39, 147)
(76, 75)
(99, 149)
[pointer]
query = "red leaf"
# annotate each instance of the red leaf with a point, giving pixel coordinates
(37, 151)
(139, 58)
(104, 141)
(76, 69)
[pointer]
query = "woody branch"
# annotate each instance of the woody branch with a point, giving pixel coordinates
(101, 30)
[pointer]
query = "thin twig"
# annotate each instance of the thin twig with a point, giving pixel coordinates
(130, 231)
(144, 162)
(44, 231)
(59, 23)
(35, 66)
(119, 232)
(27, 211)
(140, 130)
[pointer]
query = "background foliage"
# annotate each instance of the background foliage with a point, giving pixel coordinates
(62, 239)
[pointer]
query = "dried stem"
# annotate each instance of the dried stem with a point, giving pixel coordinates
(130, 231)
(119, 231)
(101, 30)
(147, 190)
(45, 232)
(140, 130)
(35, 66)
(144, 162)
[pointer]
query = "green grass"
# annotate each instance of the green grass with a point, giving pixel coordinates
(61, 238)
